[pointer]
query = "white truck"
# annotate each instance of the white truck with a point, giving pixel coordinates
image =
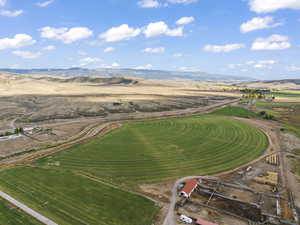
(186, 219)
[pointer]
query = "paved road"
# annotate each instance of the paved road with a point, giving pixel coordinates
(28, 210)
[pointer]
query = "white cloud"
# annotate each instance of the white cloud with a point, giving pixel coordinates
(266, 6)
(9, 13)
(89, 60)
(82, 53)
(50, 48)
(267, 62)
(149, 3)
(27, 54)
(155, 50)
(293, 68)
(182, 1)
(2, 2)
(66, 35)
(115, 64)
(264, 64)
(178, 55)
(18, 41)
(250, 62)
(44, 4)
(255, 64)
(122, 32)
(185, 20)
(161, 28)
(258, 23)
(274, 42)
(109, 49)
(234, 66)
(145, 67)
(222, 48)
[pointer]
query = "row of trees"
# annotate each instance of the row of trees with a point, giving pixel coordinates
(16, 131)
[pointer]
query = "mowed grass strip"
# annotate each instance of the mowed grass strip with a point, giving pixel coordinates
(154, 151)
(12, 216)
(70, 199)
(236, 111)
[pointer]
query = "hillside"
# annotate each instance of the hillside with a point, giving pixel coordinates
(146, 74)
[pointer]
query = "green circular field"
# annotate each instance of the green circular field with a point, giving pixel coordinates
(154, 151)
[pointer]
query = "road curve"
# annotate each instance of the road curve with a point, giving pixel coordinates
(170, 218)
(27, 210)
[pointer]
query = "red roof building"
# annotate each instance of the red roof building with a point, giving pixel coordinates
(189, 188)
(203, 222)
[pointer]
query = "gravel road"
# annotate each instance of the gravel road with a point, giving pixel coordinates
(27, 210)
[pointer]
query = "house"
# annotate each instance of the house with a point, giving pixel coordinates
(189, 188)
(203, 222)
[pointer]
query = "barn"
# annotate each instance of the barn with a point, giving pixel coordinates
(189, 188)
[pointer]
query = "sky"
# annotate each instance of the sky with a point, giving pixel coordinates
(257, 38)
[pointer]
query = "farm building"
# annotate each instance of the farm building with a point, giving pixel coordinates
(203, 222)
(189, 188)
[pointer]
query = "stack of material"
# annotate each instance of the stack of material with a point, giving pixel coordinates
(273, 159)
(271, 179)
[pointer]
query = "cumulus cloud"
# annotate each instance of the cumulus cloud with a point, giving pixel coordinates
(115, 64)
(258, 23)
(145, 67)
(50, 48)
(274, 42)
(18, 41)
(264, 64)
(149, 3)
(182, 1)
(44, 4)
(223, 48)
(66, 35)
(185, 20)
(10, 13)
(161, 28)
(89, 60)
(27, 54)
(155, 50)
(266, 6)
(109, 49)
(122, 32)
(2, 2)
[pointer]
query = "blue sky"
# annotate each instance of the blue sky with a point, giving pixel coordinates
(258, 38)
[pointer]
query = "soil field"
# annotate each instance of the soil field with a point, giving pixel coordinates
(70, 199)
(154, 151)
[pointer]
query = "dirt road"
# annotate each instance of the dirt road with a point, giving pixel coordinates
(27, 210)
(274, 146)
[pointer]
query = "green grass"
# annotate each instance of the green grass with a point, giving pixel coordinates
(138, 152)
(13, 216)
(236, 111)
(288, 94)
(161, 150)
(70, 199)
